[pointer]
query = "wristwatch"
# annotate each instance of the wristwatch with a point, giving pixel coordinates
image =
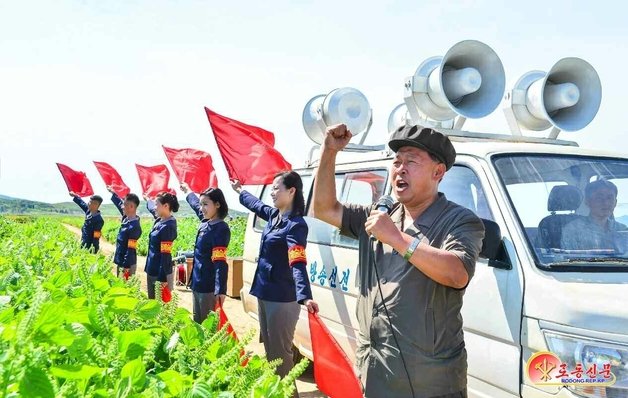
(413, 245)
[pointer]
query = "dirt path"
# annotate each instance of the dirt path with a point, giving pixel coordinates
(241, 321)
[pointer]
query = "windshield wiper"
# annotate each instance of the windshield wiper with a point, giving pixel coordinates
(573, 261)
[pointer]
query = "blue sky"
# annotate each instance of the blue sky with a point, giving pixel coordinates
(114, 80)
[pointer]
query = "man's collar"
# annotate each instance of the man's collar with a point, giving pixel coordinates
(427, 218)
(429, 215)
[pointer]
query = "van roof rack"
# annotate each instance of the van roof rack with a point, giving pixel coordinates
(459, 135)
(454, 135)
(349, 148)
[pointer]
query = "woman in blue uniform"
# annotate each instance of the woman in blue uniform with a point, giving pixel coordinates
(164, 232)
(209, 274)
(129, 233)
(281, 282)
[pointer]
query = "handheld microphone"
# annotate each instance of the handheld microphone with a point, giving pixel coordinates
(385, 203)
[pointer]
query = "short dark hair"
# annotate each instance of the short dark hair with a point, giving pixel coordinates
(96, 198)
(216, 196)
(133, 198)
(597, 185)
(292, 179)
(166, 198)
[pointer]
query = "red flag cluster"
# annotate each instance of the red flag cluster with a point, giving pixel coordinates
(247, 151)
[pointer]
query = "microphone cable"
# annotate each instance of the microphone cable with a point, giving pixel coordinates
(372, 256)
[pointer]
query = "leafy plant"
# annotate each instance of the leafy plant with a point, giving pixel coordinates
(69, 327)
(186, 234)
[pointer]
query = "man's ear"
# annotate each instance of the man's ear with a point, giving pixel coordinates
(439, 171)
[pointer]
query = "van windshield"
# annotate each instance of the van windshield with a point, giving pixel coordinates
(574, 210)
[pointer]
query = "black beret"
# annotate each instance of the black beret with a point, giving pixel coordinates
(426, 139)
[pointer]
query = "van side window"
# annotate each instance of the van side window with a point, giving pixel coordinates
(260, 224)
(462, 186)
(358, 187)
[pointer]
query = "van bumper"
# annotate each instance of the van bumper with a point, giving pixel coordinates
(533, 392)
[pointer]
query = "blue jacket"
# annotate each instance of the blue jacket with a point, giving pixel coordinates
(280, 275)
(92, 227)
(128, 237)
(209, 274)
(160, 240)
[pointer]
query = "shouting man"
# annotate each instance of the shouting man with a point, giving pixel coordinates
(414, 265)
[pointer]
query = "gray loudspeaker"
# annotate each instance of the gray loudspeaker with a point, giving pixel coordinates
(342, 105)
(468, 81)
(398, 117)
(567, 97)
(311, 117)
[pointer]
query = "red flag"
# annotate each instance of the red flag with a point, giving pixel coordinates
(247, 150)
(154, 179)
(222, 320)
(76, 181)
(166, 294)
(111, 178)
(193, 167)
(331, 363)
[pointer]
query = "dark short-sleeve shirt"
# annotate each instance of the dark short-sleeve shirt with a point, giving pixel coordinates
(425, 315)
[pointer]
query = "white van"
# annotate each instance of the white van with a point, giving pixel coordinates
(528, 294)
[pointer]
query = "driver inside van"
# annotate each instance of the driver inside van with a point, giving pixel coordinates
(598, 231)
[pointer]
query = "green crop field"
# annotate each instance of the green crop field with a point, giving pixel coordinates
(70, 328)
(186, 233)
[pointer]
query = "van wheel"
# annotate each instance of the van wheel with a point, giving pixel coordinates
(296, 355)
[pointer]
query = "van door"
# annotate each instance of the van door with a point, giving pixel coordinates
(333, 259)
(493, 300)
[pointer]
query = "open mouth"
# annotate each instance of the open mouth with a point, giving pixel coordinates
(401, 184)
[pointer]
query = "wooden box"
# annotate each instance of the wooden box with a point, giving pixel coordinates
(234, 279)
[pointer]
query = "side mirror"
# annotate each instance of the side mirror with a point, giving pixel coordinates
(493, 247)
